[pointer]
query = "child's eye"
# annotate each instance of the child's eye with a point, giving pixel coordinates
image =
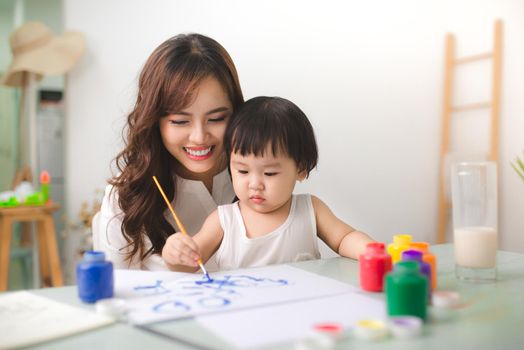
(242, 172)
(270, 174)
(178, 122)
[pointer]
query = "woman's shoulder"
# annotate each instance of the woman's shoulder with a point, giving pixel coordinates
(110, 206)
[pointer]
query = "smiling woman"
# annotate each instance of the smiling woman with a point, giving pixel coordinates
(194, 135)
(187, 91)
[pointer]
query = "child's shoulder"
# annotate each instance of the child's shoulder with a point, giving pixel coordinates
(306, 197)
(307, 200)
(317, 203)
(227, 206)
(303, 196)
(227, 210)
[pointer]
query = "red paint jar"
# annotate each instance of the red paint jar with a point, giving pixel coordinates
(374, 264)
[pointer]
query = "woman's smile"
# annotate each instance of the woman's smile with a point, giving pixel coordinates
(199, 153)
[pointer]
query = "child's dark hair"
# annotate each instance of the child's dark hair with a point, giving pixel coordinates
(274, 121)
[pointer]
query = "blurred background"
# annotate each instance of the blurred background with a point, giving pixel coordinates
(369, 75)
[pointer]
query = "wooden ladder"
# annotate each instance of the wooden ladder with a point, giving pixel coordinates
(451, 62)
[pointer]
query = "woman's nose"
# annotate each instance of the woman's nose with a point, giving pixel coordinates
(198, 133)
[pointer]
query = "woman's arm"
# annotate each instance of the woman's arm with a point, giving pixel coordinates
(181, 251)
(338, 235)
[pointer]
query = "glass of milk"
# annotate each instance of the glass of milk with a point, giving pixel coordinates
(474, 202)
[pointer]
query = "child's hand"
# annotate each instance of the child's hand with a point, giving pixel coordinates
(180, 249)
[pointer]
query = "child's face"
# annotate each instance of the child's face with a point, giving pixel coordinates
(194, 135)
(264, 183)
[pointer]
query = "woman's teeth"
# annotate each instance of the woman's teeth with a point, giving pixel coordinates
(198, 153)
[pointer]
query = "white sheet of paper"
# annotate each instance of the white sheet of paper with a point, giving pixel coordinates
(127, 280)
(153, 296)
(266, 326)
(27, 319)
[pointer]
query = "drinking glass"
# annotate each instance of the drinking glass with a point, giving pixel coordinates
(474, 202)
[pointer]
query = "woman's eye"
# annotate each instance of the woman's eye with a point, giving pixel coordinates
(178, 122)
(217, 119)
(242, 172)
(270, 174)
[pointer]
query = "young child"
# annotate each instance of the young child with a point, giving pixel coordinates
(272, 145)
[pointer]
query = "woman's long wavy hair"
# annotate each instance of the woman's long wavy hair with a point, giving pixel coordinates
(167, 83)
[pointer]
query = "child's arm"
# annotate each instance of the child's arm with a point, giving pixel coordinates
(338, 235)
(181, 252)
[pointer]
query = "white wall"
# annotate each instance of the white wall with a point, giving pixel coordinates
(50, 13)
(367, 73)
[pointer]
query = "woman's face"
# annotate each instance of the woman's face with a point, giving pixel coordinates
(195, 134)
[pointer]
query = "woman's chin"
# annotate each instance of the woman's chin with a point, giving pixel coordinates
(195, 168)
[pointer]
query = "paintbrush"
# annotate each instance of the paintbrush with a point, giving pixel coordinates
(179, 224)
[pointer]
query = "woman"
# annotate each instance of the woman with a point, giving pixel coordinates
(187, 91)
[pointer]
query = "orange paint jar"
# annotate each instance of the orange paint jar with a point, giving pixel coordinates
(429, 258)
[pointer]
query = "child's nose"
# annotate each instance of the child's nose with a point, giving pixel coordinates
(255, 183)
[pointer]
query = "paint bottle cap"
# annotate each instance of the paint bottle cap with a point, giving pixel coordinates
(112, 307)
(405, 326)
(375, 247)
(334, 330)
(444, 299)
(370, 330)
(422, 246)
(402, 239)
(94, 256)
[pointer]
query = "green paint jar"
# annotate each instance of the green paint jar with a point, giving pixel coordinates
(406, 290)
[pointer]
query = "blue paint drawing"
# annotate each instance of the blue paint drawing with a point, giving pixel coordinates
(171, 306)
(206, 294)
(155, 289)
(213, 302)
(189, 290)
(243, 281)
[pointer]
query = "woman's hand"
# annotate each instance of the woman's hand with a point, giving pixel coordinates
(181, 249)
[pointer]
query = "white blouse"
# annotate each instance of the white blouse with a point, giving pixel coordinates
(193, 205)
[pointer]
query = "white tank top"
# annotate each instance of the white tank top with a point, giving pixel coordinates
(294, 240)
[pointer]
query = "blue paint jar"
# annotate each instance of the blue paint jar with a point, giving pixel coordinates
(94, 276)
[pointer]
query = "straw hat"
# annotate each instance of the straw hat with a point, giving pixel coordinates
(36, 50)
